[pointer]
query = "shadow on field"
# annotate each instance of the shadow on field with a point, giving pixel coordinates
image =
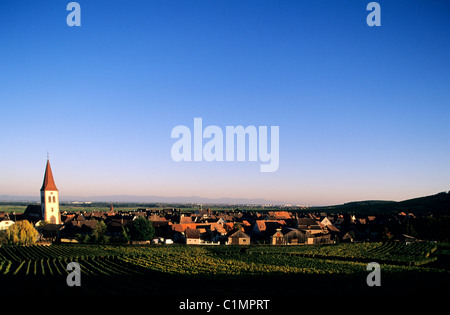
(160, 285)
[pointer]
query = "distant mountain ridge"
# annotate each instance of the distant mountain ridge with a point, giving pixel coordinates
(148, 199)
(438, 203)
(19, 198)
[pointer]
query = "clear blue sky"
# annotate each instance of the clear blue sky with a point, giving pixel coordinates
(364, 112)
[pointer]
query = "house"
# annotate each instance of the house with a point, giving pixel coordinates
(305, 223)
(347, 237)
(181, 227)
(277, 238)
(295, 237)
(192, 236)
(332, 230)
(326, 221)
(221, 221)
(280, 215)
(218, 227)
(238, 238)
(185, 232)
(267, 227)
(74, 227)
(186, 219)
(95, 215)
(313, 226)
(322, 239)
(50, 231)
(33, 213)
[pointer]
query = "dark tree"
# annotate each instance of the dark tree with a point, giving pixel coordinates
(99, 234)
(141, 230)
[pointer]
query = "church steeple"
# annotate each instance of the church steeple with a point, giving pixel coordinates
(50, 197)
(49, 182)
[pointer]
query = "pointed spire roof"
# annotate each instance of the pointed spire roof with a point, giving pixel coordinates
(49, 182)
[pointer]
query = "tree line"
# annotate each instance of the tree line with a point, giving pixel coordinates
(24, 233)
(140, 229)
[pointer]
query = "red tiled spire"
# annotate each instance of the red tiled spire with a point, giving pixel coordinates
(49, 182)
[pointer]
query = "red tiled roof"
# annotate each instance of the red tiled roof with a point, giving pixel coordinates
(281, 215)
(49, 182)
(182, 227)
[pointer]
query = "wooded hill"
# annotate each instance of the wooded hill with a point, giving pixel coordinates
(434, 204)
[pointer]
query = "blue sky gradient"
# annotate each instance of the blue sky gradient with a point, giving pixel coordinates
(364, 112)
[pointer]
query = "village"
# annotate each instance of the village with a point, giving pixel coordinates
(200, 226)
(233, 227)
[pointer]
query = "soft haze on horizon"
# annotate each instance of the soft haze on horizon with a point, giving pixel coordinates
(363, 112)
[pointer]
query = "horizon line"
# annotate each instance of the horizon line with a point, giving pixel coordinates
(202, 200)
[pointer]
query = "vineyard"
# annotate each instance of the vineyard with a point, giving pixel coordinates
(155, 267)
(397, 253)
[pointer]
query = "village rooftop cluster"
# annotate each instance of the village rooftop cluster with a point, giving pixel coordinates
(233, 227)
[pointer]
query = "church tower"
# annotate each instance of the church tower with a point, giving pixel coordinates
(50, 198)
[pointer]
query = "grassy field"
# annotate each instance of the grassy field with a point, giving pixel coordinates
(220, 270)
(12, 208)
